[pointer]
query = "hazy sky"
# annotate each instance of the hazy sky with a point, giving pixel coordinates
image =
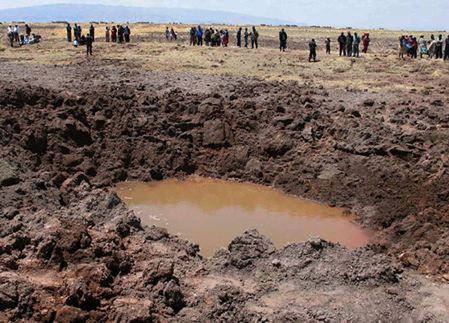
(398, 14)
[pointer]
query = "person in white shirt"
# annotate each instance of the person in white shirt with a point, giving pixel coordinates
(16, 33)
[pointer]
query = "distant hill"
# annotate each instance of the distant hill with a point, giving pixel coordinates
(87, 13)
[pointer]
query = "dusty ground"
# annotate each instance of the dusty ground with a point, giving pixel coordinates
(370, 135)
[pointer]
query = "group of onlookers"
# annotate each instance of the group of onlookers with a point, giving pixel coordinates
(117, 34)
(433, 48)
(349, 44)
(170, 34)
(14, 36)
(216, 38)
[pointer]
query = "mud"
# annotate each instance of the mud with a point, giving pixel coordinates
(212, 213)
(70, 251)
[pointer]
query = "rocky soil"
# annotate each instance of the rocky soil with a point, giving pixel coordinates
(71, 252)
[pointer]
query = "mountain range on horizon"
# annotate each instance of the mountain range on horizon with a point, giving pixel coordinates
(88, 13)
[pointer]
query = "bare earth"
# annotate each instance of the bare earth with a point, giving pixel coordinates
(370, 135)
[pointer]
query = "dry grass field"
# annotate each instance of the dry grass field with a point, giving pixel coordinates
(379, 70)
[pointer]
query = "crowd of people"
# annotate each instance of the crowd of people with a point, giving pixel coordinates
(15, 37)
(433, 48)
(117, 34)
(216, 38)
(349, 44)
(170, 34)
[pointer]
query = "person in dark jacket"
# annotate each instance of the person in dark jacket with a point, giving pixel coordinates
(92, 32)
(439, 47)
(127, 34)
(239, 37)
(349, 44)
(312, 49)
(89, 41)
(69, 33)
(114, 34)
(342, 42)
(27, 30)
(255, 38)
(245, 37)
(283, 40)
(120, 32)
(328, 46)
(356, 46)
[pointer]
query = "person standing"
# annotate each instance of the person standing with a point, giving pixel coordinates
(356, 46)
(16, 33)
(167, 34)
(256, 37)
(422, 46)
(328, 46)
(127, 34)
(75, 32)
(283, 40)
(69, 32)
(365, 40)
(342, 43)
(120, 32)
(439, 47)
(199, 36)
(107, 34)
(89, 41)
(92, 32)
(79, 31)
(446, 49)
(312, 49)
(173, 34)
(245, 37)
(114, 34)
(239, 37)
(349, 44)
(11, 35)
(27, 30)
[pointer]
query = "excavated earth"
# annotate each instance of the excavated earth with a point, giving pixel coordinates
(71, 252)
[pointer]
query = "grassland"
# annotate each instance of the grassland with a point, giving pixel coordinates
(379, 70)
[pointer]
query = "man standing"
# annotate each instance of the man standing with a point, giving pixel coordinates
(120, 32)
(239, 37)
(92, 32)
(89, 41)
(283, 40)
(16, 33)
(27, 30)
(11, 35)
(69, 32)
(127, 34)
(342, 43)
(245, 36)
(356, 46)
(349, 43)
(256, 37)
(328, 46)
(114, 34)
(446, 49)
(439, 47)
(312, 48)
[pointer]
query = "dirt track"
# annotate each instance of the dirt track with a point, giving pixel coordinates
(70, 251)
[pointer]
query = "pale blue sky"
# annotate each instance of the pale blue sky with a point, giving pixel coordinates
(398, 14)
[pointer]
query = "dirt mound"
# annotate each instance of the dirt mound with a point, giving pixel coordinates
(70, 251)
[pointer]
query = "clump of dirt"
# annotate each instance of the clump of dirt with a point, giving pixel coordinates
(70, 251)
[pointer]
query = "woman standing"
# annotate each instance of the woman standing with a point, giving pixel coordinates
(107, 34)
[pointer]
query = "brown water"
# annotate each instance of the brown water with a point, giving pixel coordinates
(212, 213)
